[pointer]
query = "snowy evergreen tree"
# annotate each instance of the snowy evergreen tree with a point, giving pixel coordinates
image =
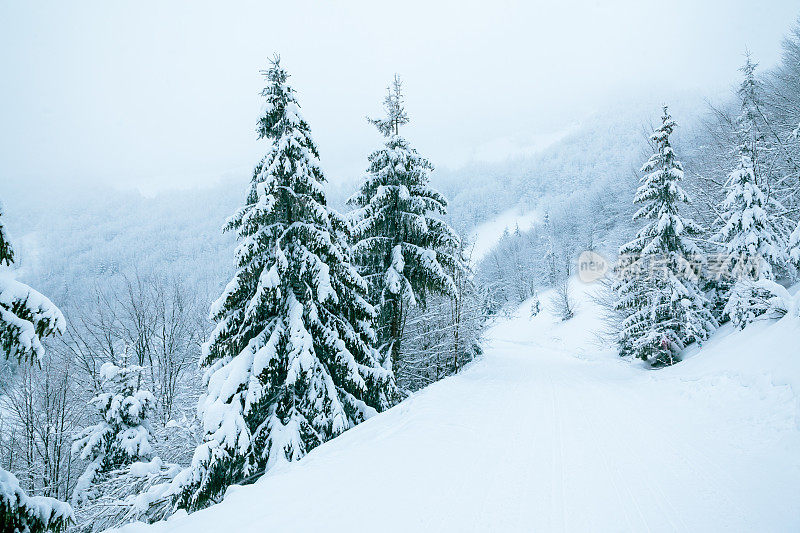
(403, 250)
(25, 317)
(658, 294)
(29, 514)
(752, 229)
(291, 362)
(757, 126)
(132, 493)
(748, 236)
(122, 436)
(119, 451)
(752, 234)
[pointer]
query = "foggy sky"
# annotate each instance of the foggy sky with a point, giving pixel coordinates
(161, 94)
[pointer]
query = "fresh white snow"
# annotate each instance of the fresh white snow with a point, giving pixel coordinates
(485, 236)
(549, 431)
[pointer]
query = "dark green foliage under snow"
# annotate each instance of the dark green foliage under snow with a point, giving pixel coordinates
(122, 435)
(754, 233)
(29, 514)
(25, 317)
(291, 361)
(663, 308)
(403, 250)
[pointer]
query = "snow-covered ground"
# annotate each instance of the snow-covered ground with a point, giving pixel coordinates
(548, 431)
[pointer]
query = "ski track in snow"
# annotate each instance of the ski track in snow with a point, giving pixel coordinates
(548, 431)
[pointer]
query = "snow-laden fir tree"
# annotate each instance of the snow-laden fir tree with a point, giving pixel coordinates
(122, 435)
(30, 514)
(25, 317)
(662, 305)
(748, 235)
(403, 250)
(752, 233)
(6, 252)
(118, 450)
(753, 228)
(291, 362)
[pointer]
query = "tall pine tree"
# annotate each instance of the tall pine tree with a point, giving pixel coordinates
(25, 317)
(659, 298)
(291, 362)
(752, 233)
(404, 251)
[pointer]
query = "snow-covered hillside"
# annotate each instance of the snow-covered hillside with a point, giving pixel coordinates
(486, 235)
(550, 432)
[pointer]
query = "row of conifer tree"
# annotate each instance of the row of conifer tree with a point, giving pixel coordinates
(309, 331)
(677, 281)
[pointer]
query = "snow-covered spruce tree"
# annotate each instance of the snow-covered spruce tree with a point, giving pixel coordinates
(29, 514)
(753, 236)
(291, 362)
(747, 234)
(402, 249)
(25, 317)
(753, 246)
(662, 306)
(122, 436)
(6, 252)
(750, 123)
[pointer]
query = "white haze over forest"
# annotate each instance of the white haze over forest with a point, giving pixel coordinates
(157, 95)
(68, 235)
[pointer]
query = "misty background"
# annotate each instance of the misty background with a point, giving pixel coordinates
(129, 130)
(160, 95)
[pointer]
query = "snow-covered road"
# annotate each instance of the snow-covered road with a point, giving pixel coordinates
(549, 432)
